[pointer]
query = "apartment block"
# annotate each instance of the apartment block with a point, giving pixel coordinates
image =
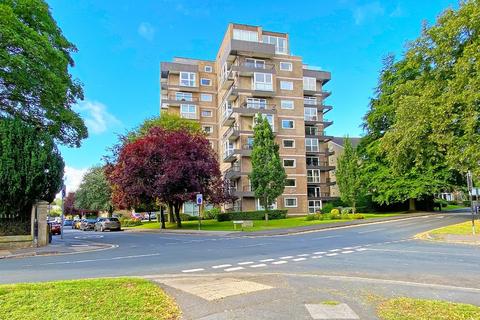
(336, 147)
(255, 73)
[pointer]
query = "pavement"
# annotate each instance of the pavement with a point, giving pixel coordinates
(291, 276)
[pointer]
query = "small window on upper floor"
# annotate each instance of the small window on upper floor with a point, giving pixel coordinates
(287, 104)
(207, 113)
(187, 79)
(207, 129)
(286, 66)
(286, 85)
(205, 82)
(208, 69)
(206, 97)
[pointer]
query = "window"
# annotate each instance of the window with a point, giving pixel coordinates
(313, 161)
(313, 176)
(289, 163)
(288, 124)
(183, 96)
(188, 111)
(286, 85)
(207, 113)
(254, 63)
(255, 103)
(286, 66)
(245, 35)
(208, 69)
(206, 97)
(309, 84)
(311, 131)
(280, 43)
(313, 192)
(260, 207)
(262, 81)
(287, 104)
(205, 82)
(289, 143)
(311, 144)
(310, 114)
(290, 182)
(270, 120)
(314, 206)
(207, 129)
(310, 100)
(187, 79)
(290, 202)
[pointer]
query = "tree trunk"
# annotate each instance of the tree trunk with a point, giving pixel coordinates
(162, 218)
(177, 216)
(265, 206)
(411, 204)
(149, 216)
(354, 207)
(171, 217)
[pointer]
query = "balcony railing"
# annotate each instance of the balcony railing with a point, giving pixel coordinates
(227, 153)
(247, 146)
(312, 148)
(173, 97)
(262, 86)
(256, 65)
(257, 105)
(188, 115)
(311, 117)
(232, 130)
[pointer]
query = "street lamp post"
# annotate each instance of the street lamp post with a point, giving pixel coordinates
(470, 191)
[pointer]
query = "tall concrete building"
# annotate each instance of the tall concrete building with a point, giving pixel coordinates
(255, 73)
(336, 147)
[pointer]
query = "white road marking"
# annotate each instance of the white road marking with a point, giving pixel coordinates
(347, 248)
(361, 249)
(280, 262)
(234, 269)
(286, 257)
(348, 251)
(303, 255)
(374, 230)
(334, 250)
(326, 237)
(331, 254)
(316, 257)
(319, 252)
(258, 265)
(299, 259)
(245, 263)
(192, 270)
(221, 266)
(267, 260)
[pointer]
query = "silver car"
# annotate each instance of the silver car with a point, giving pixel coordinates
(103, 224)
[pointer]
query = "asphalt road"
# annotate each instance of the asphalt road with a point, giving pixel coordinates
(383, 250)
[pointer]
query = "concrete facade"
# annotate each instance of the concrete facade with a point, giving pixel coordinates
(254, 72)
(335, 146)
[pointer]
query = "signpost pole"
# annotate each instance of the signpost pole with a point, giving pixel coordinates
(63, 210)
(470, 191)
(200, 207)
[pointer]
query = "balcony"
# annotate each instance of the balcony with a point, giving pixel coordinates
(325, 196)
(253, 108)
(247, 68)
(244, 191)
(321, 182)
(227, 79)
(173, 100)
(323, 108)
(311, 119)
(321, 165)
(314, 72)
(227, 117)
(232, 133)
(174, 67)
(234, 172)
(190, 116)
(326, 123)
(231, 154)
(249, 48)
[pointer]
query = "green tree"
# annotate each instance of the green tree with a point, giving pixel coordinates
(34, 60)
(31, 168)
(94, 192)
(348, 175)
(268, 174)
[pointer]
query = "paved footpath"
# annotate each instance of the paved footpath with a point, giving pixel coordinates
(278, 276)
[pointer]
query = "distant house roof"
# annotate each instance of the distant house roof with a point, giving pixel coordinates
(339, 140)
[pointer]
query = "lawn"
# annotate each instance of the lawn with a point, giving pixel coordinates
(453, 207)
(464, 228)
(120, 298)
(419, 309)
(258, 225)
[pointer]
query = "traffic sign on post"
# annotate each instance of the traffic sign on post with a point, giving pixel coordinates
(199, 198)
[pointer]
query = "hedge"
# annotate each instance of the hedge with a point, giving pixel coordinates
(251, 215)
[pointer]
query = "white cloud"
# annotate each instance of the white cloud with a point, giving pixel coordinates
(146, 30)
(367, 11)
(96, 116)
(73, 178)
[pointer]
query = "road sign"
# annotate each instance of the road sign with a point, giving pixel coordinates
(199, 199)
(64, 191)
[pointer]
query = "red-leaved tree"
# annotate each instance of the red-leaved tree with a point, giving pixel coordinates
(69, 204)
(168, 166)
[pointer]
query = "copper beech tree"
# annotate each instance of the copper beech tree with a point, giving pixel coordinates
(167, 166)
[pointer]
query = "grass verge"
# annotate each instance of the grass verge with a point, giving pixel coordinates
(464, 228)
(419, 309)
(258, 225)
(119, 298)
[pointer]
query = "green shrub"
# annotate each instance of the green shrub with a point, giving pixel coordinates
(467, 203)
(345, 216)
(212, 213)
(347, 210)
(327, 208)
(187, 217)
(311, 217)
(130, 222)
(452, 202)
(356, 216)
(251, 215)
(335, 211)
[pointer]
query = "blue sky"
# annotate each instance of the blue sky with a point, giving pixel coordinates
(121, 44)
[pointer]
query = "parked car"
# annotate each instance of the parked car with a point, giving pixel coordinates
(76, 224)
(136, 216)
(55, 228)
(87, 224)
(67, 223)
(110, 224)
(151, 216)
